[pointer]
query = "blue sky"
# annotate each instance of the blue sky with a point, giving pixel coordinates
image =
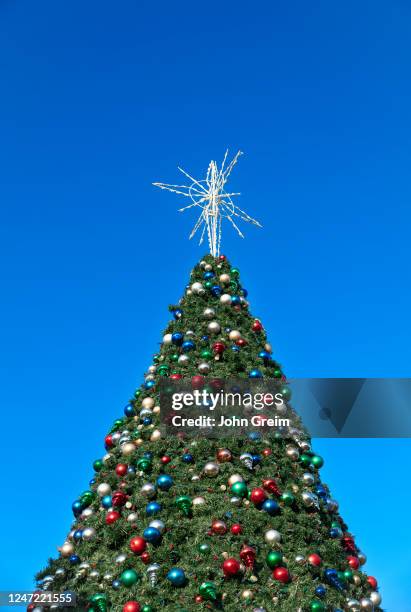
(97, 101)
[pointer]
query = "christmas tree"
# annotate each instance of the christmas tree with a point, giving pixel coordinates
(195, 523)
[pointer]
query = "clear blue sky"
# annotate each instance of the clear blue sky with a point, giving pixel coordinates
(99, 99)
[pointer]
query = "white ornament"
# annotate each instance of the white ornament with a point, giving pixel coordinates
(214, 327)
(234, 335)
(272, 536)
(225, 298)
(167, 339)
(103, 489)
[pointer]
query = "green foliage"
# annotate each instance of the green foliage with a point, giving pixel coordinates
(303, 530)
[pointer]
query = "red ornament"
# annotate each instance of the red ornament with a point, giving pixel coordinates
(267, 452)
(197, 382)
(353, 562)
(281, 574)
(349, 544)
(176, 376)
(217, 384)
(219, 348)
(145, 557)
(257, 326)
(258, 496)
(231, 567)
(247, 555)
(236, 529)
(224, 455)
(198, 599)
(131, 606)
(241, 342)
(112, 517)
(271, 486)
(314, 559)
(165, 459)
(121, 469)
(222, 257)
(372, 582)
(138, 545)
(118, 498)
(108, 441)
(219, 527)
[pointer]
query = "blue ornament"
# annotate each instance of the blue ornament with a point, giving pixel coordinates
(131, 469)
(254, 435)
(256, 459)
(235, 348)
(188, 345)
(331, 577)
(74, 559)
(177, 338)
(255, 374)
(116, 584)
(216, 290)
(153, 508)
(164, 482)
(148, 455)
(271, 507)
(244, 292)
(320, 591)
(152, 535)
(147, 420)
(77, 535)
(149, 384)
(335, 532)
(264, 355)
(320, 490)
(204, 338)
(187, 458)
(208, 275)
(228, 515)
(176, 576)
(235, 300)
(77, 507)
(129, 410)
(177, 313)
(92, 482)
(106, 501)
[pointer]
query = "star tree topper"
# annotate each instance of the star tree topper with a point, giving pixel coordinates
(216, 204)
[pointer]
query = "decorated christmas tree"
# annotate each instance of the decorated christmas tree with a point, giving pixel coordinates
(185, 523)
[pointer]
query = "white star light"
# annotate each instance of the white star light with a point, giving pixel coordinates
(209, 195)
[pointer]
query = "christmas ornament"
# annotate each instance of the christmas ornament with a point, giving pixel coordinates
(274, 559)
(231, 567)
(219, 527)
(98, 603)
(208, 591)
(128, 577)
(281, 574)
(272, 536)
(152, 535)
(164, 482)
(211, 469)
(184, 503)
(152, 573)
(138, 545)
(247, 556)
(176, 576)
(131, 606)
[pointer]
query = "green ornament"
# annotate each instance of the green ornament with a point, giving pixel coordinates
(137, 393)
(287, 498)
(274, 558)
(184, 503)
(335, 525)
(147, 608)
(174, 357)
(206, 354)
(235, 272)
(348, 575)
(98, 465)
(208, 284)
(341, 575)
(98, 603)
(118, 423)
(234, 286)
(277, 373)
(317, 606)
(143, 464)
(204, 548)
(305, 459)
(86, 498)
(317, 461)
(208, 591)
(239, 489)
(129, 577)
(156, 358)
(163, 370)
(285, 392)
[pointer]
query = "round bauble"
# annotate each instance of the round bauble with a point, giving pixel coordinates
(281, 574)
(234, 335)
(131, 606)
(225, 299)
(211, 469)
(199, 501)
(148, 490)
(129, 577)
(224, 279)
(208, 313)
(235, 478)
(272, 536)
(214, 327)
(67, 549)
(219, 527)
(176, 576)
(231, 567)
(138, 545)
(203, 367)
(103, 489)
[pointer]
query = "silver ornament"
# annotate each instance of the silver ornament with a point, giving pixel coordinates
(197, 288)
(214, 327)
(308, 479)
(108, 577)
(149, 377)
(234, 335)
(208, 267)
(247, 460)
(103, 489)
(225, 298)
(94, 574)
(183, 359)
(203, 367)
(88, 534)
(299, 559)
(235, 478)
(148, 490)
(156, 524)
(236, 501)
(132, 517)
(353, 605)
(202, 264)
(152, 573)
(60, 571)
(211, 469)
(375, 598)
(366, 604)
(272, 536)
(120, 559)
(199, 501)
(224, 278)
(167, 339)
(145, 412)
(362, 558)
(292, 452)
(87, 512)
(208, 313)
